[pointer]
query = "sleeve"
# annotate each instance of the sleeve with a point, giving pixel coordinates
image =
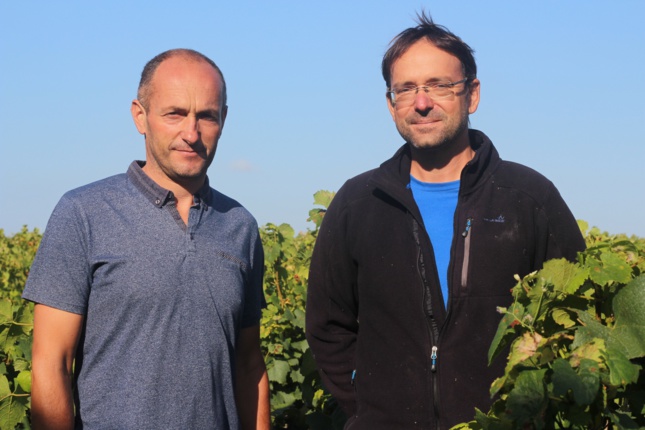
(254, 300)
(60, 274)
(332, 306)
(559, 230)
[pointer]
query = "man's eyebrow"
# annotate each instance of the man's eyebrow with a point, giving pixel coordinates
(428, 81)
(172, 108)
(209, 112)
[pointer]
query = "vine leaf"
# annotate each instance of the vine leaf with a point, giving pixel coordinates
(5, 391)
(12, 408)
(628, 332)
(621, 370)
(526, 399)
(323, 198)
(523, 348)
(506, 329)
(565, 378)
(565, 276)
(6, 311)
(279, 371)
(562, 317)
(610, 268)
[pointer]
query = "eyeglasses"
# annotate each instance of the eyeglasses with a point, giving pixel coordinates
(405, 96)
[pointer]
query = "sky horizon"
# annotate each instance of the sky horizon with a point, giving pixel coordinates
(561, 93)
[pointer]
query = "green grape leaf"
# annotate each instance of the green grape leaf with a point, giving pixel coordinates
(565, 378)
(527, 398)
(628, 332)
(6, 311)
(563, 318)
(589, 373)
(629, 310)
(278, 371)
(610, 268)
(524, 347)
(301, 345)
(282, 399)
(591, 351)
(286, 231)
(583, 226)
(505, 329)
(271, 253)
(323, 198)
(24, 380)
(565, 276)
(12, 411)
(299, 318)
(621, 370)
(4, 387)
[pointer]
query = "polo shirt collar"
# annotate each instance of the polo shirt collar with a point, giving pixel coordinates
(157, 195)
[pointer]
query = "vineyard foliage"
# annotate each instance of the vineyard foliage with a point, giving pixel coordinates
(574, 337)
(576, 333)
(16, 317)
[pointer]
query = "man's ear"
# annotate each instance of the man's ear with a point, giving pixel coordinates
(224, 113)
(139, 116)
(473, 95)
(390, 106)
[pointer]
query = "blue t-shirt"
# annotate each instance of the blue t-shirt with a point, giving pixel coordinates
(437, 203)
(163, 301)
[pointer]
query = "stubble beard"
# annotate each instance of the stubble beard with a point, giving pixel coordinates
(163, 163)
(435, 140)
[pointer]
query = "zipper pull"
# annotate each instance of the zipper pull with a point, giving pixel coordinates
(465, 232)
(353, 376)
(433, 356)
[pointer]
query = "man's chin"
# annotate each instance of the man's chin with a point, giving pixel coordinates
(429, 146)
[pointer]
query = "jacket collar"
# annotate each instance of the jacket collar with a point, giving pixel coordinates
(393, 176)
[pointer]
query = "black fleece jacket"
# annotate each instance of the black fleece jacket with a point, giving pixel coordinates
(375, 311)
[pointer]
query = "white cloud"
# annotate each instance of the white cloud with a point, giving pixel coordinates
(242, 166)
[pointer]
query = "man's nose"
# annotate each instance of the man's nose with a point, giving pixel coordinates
(423, 101)
(190, 131)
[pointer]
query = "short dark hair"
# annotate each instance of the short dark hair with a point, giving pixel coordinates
(143, 93)
(439, 36)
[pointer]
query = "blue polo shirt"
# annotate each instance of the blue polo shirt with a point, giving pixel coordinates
(163, 301)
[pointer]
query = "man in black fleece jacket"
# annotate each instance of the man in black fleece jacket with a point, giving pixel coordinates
(413, 257)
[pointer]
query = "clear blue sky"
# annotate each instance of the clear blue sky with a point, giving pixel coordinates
(563, 92)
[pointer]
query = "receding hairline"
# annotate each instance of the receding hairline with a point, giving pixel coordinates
(150, 70)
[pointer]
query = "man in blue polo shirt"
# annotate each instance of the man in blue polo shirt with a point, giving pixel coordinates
(148, 284)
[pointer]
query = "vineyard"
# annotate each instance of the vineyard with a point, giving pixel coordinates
(575, 332)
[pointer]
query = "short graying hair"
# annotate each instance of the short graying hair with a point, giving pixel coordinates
(143, 93)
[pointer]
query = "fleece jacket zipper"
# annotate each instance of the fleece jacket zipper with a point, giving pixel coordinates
(464, 266)
(432, 322)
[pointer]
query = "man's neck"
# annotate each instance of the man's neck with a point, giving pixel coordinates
(441, 164)
(183, 193)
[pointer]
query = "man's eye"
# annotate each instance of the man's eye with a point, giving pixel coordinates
(209, 118)
(442, 86)
(405, 90)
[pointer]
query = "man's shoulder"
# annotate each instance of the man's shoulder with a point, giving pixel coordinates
(100, 188)
(357, 187)
(525, 179)
(231, 207)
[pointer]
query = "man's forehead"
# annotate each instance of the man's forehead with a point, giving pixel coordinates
(184, 82)
(184, 65)
(179, 75)
(423, 58)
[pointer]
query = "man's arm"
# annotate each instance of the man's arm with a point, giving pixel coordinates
(561, 235)
(251, 381)
(332, 307)
(56, 335)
